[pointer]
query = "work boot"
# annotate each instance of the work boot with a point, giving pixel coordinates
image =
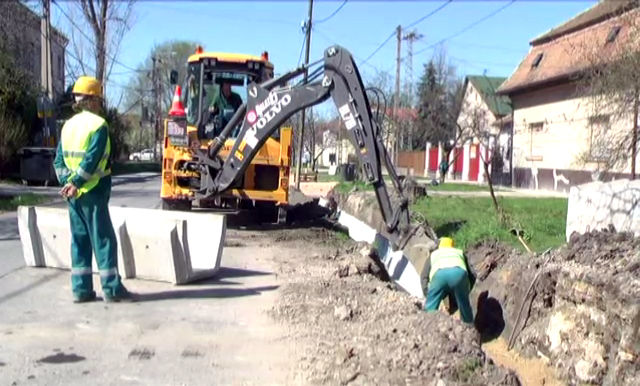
(123, 297)
(84, 299)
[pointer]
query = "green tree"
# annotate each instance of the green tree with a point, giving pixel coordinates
(439, 98)
(119, 129)
(170, 55)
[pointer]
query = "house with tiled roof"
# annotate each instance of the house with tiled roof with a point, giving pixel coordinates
(482, 111)
(554, 121)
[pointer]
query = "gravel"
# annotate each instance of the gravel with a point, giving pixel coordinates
(583, 311)
(358, 329)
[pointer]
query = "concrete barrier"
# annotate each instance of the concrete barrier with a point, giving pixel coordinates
(400, 269)
(175, 247)
(596, 205)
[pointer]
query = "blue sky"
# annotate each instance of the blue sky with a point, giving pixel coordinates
(497, 44)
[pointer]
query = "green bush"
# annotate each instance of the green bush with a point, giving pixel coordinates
(13, 136)
(18, 112)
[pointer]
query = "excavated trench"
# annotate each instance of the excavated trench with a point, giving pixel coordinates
(580, 315)
(578, 321)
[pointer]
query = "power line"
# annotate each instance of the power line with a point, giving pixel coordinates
(226, 16)
(333, 14)
(108, 80)
(410, 25)
(332, 41)
(90, 39)
(423, 18)
(393, 34)
(465, 29)
(304, 40)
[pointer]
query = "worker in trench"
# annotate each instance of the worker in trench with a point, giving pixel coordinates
(450, 275)
(82, 165)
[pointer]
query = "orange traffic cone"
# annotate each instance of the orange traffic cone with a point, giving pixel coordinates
(177, 109)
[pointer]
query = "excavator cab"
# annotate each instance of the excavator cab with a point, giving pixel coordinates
(214, 87)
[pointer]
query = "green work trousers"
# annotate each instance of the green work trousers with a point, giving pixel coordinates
(92, 232)
(446, 281)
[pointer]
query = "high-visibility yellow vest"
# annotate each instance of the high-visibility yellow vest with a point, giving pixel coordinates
(75, 138)
(446, 258)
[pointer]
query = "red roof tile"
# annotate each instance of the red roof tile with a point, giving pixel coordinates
(572, 53)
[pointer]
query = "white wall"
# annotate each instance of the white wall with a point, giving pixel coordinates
(565, 132)
(474, 104)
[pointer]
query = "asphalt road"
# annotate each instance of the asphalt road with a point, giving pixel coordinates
(214, 332)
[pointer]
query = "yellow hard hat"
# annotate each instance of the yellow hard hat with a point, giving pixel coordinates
(446, 242)
(87, 85)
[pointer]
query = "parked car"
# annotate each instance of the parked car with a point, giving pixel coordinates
(143, 155)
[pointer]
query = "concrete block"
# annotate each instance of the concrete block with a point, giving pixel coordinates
(155, 249)
(29, 237)
(400, 269)
(596, 205)
(200, 236)
(177, 247)
(46, 239)
(358, 230)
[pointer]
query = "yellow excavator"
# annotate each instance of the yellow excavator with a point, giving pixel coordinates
(216, 85)
(403, 243)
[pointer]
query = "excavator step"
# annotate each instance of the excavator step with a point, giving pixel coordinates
(168, 246)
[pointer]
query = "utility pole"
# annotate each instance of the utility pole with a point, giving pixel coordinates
(46, 71)
(306, 74)
(634, 141)
(396, 99)
(156, 95)
(410, 38)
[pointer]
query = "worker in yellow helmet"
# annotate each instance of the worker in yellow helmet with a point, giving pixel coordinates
(82, 165)
(450, 275)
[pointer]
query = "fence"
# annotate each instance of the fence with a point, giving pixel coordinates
(465, 162)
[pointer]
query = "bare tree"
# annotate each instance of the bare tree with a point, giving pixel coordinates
(609, 81)
(473, 124)
(97, 30)
(327, 131)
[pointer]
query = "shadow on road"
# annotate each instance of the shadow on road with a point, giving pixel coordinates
(31, 286)
(9, 229)
(133, 179)
(204, 293)
(227, 273)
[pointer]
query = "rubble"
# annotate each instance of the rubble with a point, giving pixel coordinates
(581, 316)
(358, 329)
(582, 313)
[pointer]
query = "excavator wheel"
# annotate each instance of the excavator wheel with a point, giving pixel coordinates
(282, 215)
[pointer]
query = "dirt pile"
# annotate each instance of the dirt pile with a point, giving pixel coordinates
(357, 329)
(582, 311)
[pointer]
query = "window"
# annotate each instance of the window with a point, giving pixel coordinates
(534, 128)
(599, 148)
(613, 34)
(537, 60)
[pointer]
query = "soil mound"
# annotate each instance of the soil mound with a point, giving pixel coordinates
(581, 313)
(359, 330)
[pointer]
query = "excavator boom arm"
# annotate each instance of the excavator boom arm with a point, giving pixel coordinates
(270, 104)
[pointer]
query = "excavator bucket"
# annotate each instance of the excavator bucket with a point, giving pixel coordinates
(168, 246)
(405, 264)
